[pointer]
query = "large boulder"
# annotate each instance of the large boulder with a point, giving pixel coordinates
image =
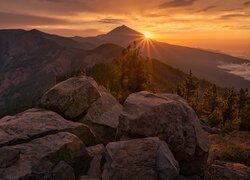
(170, 118)
(81, 99)
(104, 111)
(35, 123)
(220, 170)
(103, 117)
(42, 158)
(72, 97)
(147, 158)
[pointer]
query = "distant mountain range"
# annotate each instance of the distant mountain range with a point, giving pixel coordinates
(30, 61)
(205, 64)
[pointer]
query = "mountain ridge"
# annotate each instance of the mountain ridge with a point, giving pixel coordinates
(30, 61)
(204, 64)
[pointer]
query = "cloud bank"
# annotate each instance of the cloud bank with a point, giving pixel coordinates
(242, 70)
(177, 3)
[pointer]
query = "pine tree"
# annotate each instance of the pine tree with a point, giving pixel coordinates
(210, 99)
(244, 109)
(188, 89)
(131, 71)
(230, 111)
(191, 86)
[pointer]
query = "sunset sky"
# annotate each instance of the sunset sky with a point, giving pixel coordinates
(213, 24)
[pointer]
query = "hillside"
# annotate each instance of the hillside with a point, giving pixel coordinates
(30, 61)
(121, 35)
(203, 63)
(163, 78)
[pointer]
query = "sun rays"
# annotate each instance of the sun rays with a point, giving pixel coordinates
(147, 45)
(147, 35)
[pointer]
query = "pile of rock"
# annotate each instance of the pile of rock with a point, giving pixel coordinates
(81, 132)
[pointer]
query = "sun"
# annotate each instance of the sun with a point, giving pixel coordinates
(147, 35)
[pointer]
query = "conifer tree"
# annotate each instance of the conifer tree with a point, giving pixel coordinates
(131, 71)
(210, 99)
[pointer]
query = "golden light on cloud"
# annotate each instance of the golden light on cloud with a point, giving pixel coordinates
(147, 35)
(216, 25)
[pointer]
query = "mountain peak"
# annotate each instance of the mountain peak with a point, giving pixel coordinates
(123, 30)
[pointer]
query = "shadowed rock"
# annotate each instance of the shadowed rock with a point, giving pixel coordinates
(147, 158)
(103, 117)
(8, 157)
(72, 97)
(170, 118)
(39, 157)
(104, 111)
(95, 168)
(63, 171)
(35, 123)
(81, 99)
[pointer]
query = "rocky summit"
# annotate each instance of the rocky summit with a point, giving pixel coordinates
(170, 118)
(80, 131)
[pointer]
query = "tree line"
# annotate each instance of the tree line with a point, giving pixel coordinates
(228, 109)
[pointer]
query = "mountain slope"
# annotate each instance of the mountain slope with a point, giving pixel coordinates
(30, 61)
(204, 64)
(121, 35)
(163, 78)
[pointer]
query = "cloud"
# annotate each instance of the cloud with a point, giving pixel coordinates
(45, 7)
(238, 27)
(207, 8)
(242, 70)
(246, 3)
(177, 3)
(73, 32)
(58, 1)
(233, 16)
(112, 21)
(22, 19)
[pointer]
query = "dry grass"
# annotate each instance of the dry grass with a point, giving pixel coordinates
(234, 147)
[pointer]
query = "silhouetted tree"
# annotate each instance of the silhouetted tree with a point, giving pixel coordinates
(131, 71)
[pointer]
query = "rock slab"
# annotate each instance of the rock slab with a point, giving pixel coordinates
(35, 123)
